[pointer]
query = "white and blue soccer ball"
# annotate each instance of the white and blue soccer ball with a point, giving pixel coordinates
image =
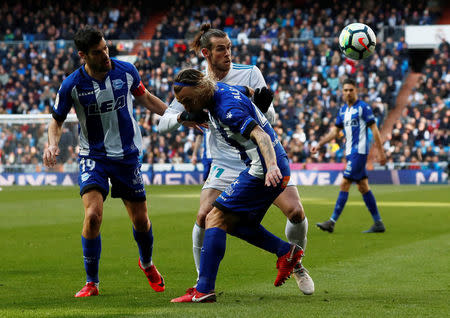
(357, 41)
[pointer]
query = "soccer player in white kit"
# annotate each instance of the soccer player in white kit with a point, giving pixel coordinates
(215, 46)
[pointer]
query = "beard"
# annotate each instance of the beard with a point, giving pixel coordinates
(222, 67)
(101, 68)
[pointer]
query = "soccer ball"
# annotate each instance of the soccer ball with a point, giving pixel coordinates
(357, 41)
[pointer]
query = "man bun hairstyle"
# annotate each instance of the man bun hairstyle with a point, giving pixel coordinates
(87, 37)
(203, 37)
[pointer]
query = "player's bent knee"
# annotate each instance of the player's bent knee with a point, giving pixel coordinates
(294, 212)
(363, 190)
(215, 218)
(201, 215)
(93, 221)
(141, 224)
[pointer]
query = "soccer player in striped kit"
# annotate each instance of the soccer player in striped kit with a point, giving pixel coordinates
(101, 91)
(355, 117)
(215, 46)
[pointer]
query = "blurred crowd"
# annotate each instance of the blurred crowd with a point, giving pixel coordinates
(297, 52)
(50, 20)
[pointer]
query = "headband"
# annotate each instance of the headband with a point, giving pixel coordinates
(183, 84)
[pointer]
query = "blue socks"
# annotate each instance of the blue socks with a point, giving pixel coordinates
(340, 203)
(144, 242)
(92, 249)
(214, 244)
(260, 237)
(213, 251)
(371, 204)
(91, 254)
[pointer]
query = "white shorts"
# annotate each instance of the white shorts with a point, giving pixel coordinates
(220, 177)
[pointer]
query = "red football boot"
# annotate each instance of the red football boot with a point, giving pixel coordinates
(286, 263)
(90, 289)
(194, 296)
(155, 279)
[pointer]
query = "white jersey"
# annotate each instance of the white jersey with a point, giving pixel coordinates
(222, 154)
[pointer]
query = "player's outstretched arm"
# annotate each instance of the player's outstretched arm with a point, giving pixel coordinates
(54, 135)
(262, 139)
(378, 144)
(334, 133)
(169, 121)
(152, 103)
(173, 118)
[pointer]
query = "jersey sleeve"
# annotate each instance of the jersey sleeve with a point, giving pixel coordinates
(367, 115)
(169, 120)
(236, 118)
(257, 81)
(137, 87)
(339, 120)
(63, 102)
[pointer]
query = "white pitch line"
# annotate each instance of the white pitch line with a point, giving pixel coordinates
(316, 200)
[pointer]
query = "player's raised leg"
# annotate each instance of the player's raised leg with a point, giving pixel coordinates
(289, 255)
(143, 235)
(296, 232)
(91, 241)
(371, 203)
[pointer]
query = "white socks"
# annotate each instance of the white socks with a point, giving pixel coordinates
(296, 232)
(197, 242)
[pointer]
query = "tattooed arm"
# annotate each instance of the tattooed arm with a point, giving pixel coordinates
(273, 174)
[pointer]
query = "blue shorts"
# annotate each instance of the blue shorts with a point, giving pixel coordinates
(355, 169)
(248, 197)
(125, 177)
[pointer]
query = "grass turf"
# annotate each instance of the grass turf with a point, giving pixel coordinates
(402, 273)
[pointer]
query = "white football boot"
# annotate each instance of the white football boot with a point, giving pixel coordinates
(304, 281)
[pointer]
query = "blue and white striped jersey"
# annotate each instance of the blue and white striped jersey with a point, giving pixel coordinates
(104, 110)
(355, 121)
(234, 116)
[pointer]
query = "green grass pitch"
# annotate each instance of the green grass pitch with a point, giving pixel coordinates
(404, 272)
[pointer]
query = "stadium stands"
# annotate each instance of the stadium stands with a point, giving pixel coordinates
(296, 49)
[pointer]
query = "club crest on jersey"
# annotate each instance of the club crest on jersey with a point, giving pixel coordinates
(85, 176)
(229, 115)
(117, 83)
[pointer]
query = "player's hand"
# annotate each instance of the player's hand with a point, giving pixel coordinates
(197, 117)
(249, 91)
(273, 176)
(314, 149)
(49, 156)
(263, 98)
(194, 159)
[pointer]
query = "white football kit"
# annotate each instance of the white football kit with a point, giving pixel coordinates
(226, 162)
